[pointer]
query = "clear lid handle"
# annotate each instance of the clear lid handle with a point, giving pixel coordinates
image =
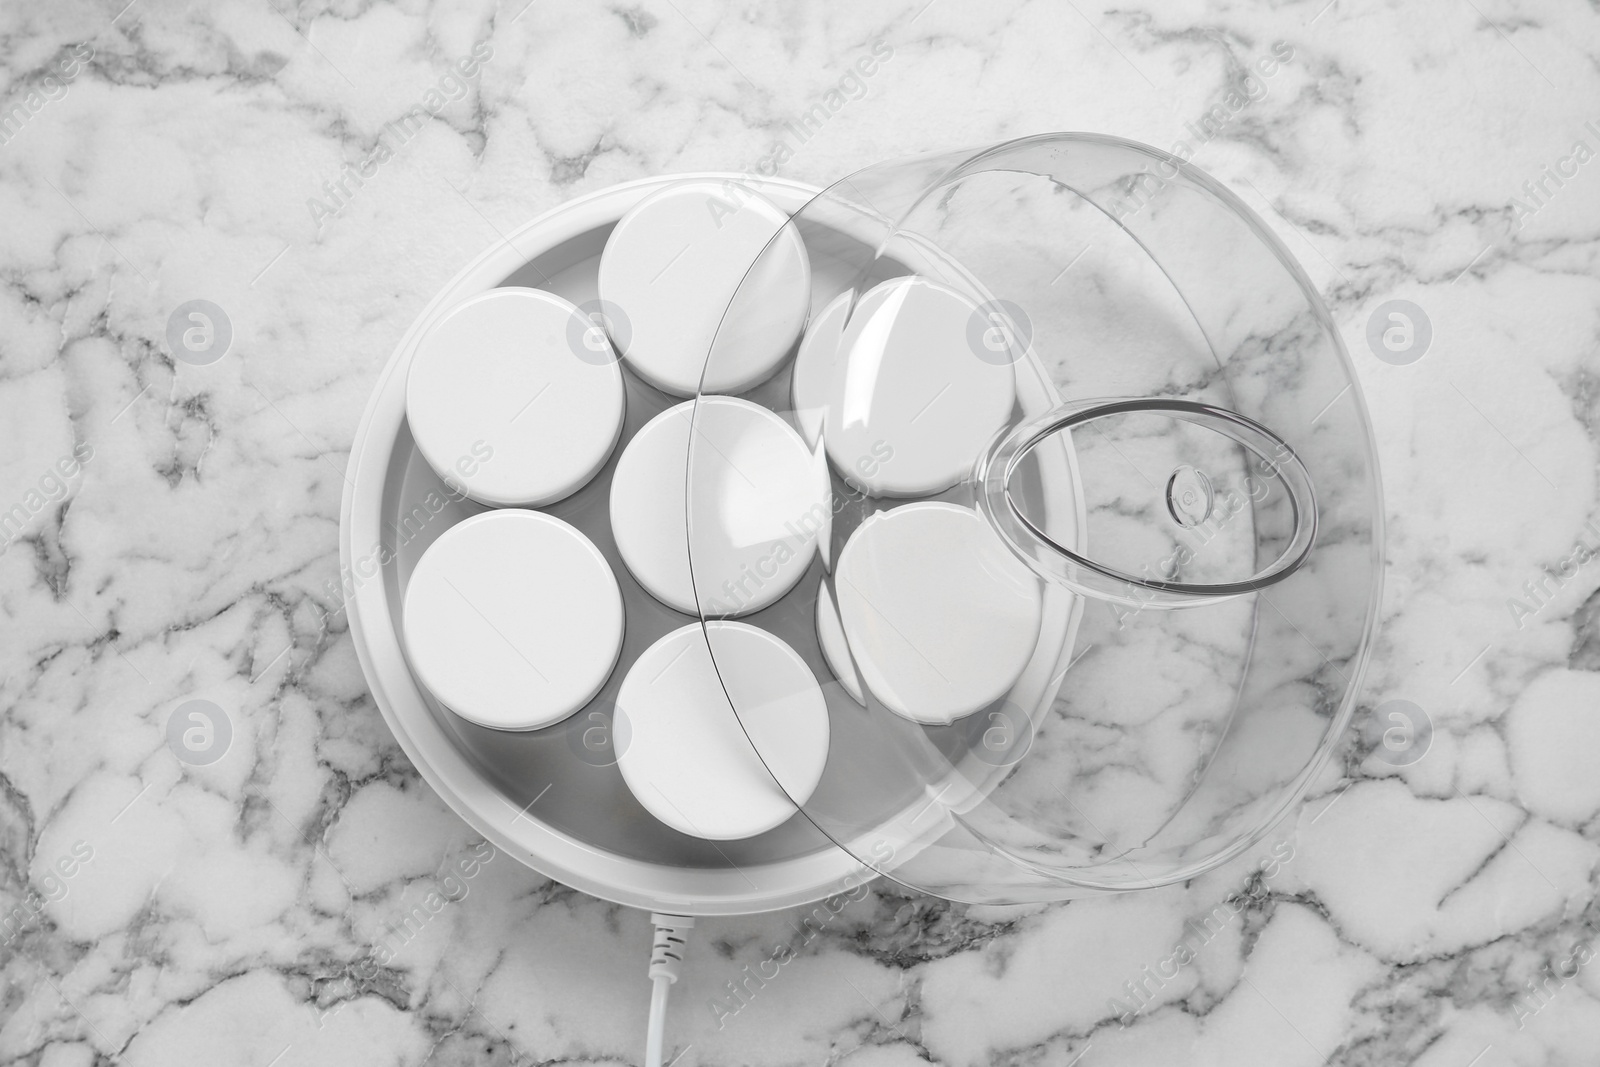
(1189, 499)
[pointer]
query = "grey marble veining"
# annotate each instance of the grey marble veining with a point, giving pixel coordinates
(319, 171)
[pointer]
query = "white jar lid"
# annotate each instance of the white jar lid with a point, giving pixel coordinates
(940, 617)
(513, 620)
(911, 401)
(761, 502)
(674, 278)
(515, 398)
(812, 385)
(687, 756)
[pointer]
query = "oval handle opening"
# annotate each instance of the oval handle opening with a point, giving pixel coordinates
(1188, 501)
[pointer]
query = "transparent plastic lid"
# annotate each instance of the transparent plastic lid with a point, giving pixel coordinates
(1093, 518)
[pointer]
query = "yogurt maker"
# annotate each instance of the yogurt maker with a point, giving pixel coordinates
(1005, 522)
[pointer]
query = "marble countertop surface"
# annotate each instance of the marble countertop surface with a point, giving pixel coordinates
(179, 525)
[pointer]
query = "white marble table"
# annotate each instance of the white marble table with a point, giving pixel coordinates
(162, 913)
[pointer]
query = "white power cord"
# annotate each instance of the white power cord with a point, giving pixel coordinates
(666, 964)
